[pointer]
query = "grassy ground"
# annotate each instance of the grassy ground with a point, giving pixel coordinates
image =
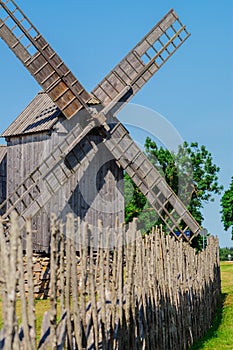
(41, 307)
(220, 336)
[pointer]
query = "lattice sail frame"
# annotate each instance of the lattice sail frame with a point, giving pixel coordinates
(144, 60)
(41, 60)
(116, 89)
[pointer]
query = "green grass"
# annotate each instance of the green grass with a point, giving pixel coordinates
(41, 306)
(220, 336)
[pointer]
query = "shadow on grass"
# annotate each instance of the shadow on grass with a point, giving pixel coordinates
(212, 332)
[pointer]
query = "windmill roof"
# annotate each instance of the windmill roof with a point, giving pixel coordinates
(39, 116)
(3, 150)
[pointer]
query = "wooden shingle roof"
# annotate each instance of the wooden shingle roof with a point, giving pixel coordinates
(39, 116)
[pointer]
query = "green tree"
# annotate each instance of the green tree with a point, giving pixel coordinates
(138, 206)
(224, 252)
(227, 208)
(190, 172)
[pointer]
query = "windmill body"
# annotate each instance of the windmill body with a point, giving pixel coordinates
(93, 191)
(67, 150)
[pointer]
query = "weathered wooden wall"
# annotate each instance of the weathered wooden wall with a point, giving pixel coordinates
(93, 192)
(3, 174)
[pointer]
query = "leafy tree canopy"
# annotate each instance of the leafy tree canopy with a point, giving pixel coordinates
(227, 208)
(225, 252)
(190, 172)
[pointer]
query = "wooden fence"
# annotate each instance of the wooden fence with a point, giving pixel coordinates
(144, 293)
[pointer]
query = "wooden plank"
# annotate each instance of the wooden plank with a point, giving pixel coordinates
(13, 42)
(168, 21)
(3, 175)
(124, 77)
(116, 82)
(108, 90)
(134, 61)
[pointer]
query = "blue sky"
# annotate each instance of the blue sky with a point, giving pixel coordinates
(194, 89)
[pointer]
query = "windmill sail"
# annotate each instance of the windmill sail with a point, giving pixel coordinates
(144, 60)
(120, 85)
(148, 179)
(41, 60)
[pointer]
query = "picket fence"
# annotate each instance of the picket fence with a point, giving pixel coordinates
(126, 292)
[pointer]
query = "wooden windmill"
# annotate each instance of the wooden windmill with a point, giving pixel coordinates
(89, 119)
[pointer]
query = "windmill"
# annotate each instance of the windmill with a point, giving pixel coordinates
(91, 115)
